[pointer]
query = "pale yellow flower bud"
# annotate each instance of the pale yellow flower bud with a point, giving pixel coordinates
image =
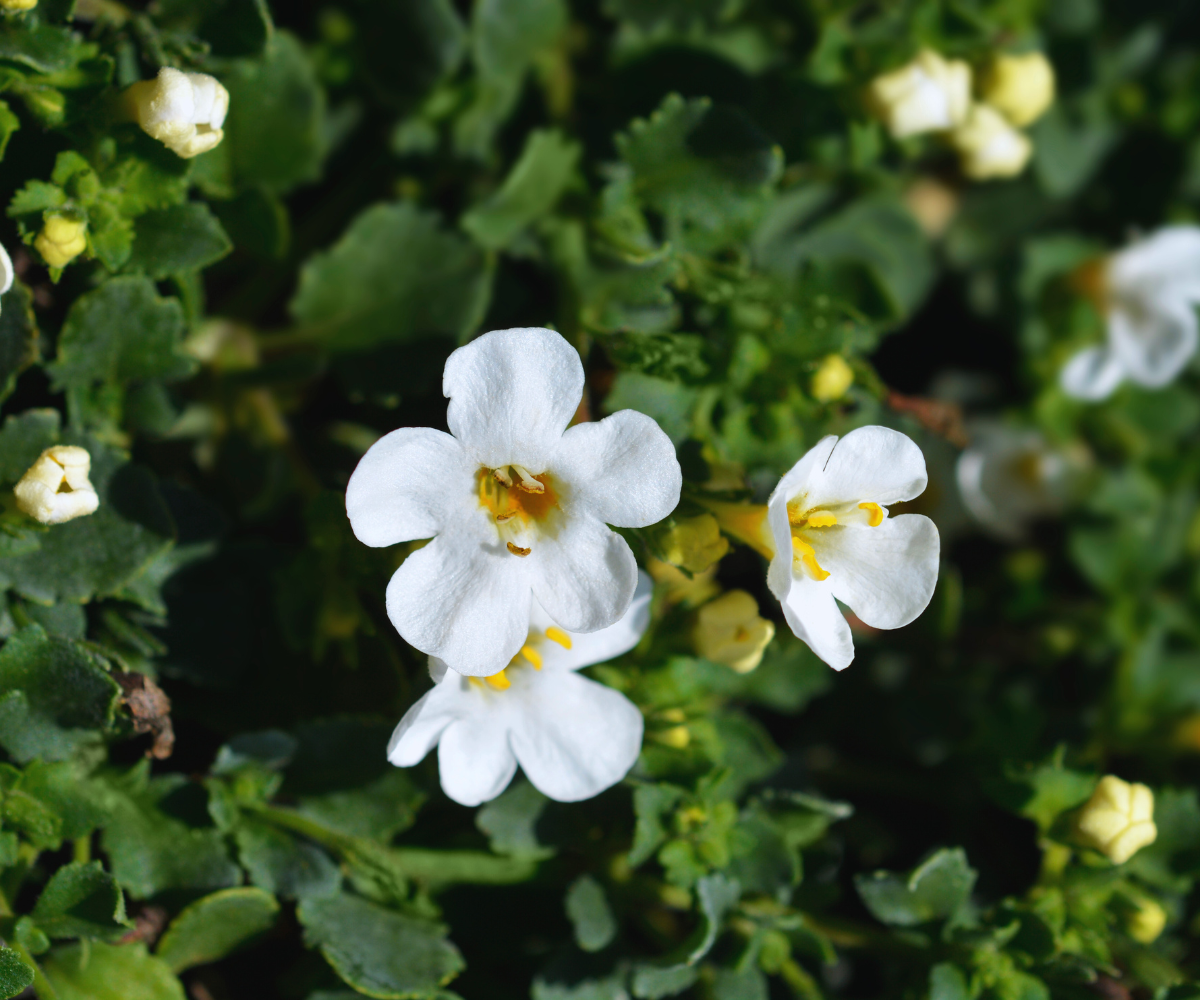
(933, 204)
(831, 379)
(682, 589)
(989, 147)
(18, 4)
(56, 488)
(930, 94)
(1118, 820)
(183, 111)
(61, 240)
(1147, 921)
(1020, 87)
(730, 631)
(694, 543)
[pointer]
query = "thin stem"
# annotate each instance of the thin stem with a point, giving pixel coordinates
(41, 985)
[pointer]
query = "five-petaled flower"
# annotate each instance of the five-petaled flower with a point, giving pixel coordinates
(572, 736)
(1148, 293)
(518, 506)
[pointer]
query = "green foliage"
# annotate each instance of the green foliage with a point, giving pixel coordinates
(213, 926)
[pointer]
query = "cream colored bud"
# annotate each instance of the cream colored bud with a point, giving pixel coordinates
(930, 94)
(730, 631)
(56, 488)
(18, 4)
(183, 111)
(682, 589)
(694, 543)
(61, 240)
(831, 379)
(1020, 87)
(989, 147)
(1147, 921)
(1118, 820)
(933, 204)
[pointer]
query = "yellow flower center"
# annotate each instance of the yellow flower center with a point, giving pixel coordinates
(807, 524)
(516, 501)
(528, 655)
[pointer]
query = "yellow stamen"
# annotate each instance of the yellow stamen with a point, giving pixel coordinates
(528, 483)
(821, 519)
(516, 550)
(555, 634)
(533, 656)
(499, 682)
(502, 477)
(804, 552)
(874, 513)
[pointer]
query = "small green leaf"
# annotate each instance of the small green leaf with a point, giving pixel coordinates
(46, 48)
(212, 927)
(593, 920)
(934, 890)
(283, 865)
(15, 975)
(181, 238)
(510, 821)
(717, 894)
(380, 810)
(82, 900)
(94, 971)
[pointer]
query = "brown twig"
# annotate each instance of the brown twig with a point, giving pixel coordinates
(942, 418)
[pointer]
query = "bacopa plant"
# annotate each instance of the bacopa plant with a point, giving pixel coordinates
(599, 499)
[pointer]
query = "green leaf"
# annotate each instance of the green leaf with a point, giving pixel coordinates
(15, 975)
(946, 982)
(23, 438)
(649, 804)
(283, 865)
(82, 900)
(652, 982)
(531, 189)
(94, 971)
(395, 275)
(438, 869)
(80, 802)
(55, 696)
(669, 403)
(380, 810)
(46, 48)
(510, 821)
(18, 337)
(590, 915)
(717, 894)
(181, 238)
(214, 926)
(936, 889)
(231, 27)
(380, 952)
(412, 45)
(1068, 150)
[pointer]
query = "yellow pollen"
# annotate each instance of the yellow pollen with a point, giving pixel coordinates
(499, 682)
(874, 513)
(516, 550)
(533, 656)
(528, 483)
(822, 519)
(804, 552)
(555, 634)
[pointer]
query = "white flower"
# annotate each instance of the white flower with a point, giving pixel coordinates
(184, 111)
(572, 737)
(834, 539)
(1007, 477)
(6, 271)
(56, 487)
(930, 94)
(1148, 292)
(518, 505)
(989, 147)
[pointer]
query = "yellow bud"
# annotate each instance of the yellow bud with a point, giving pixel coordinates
(677, 737)
(730, 631)
(1118, 820)
(1147, 921)
(56, 487)
(682, 589)
(989, 147)
(831, 379)
(933, 204)
(61, 240)
(694, 543)
(18, 4)
(1020, 87)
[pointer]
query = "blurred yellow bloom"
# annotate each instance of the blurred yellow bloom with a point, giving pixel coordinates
(18, 4)
(930, 94)
(831, 379)
(61, 240)
(988, 145)
(1118, 820)
(933, 204)
(729, 630)
(1020, 87)
(1146, 923)
(694, 543)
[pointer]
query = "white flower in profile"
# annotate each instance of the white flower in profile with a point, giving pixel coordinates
(1009, 476)
(1148, 293)
(572, 736)
(834, 541)
(517, 504)
(184, 111)
(929, 94)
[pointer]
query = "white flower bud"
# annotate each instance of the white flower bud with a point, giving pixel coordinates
(1118, 820)
(989, 146)
(184, 111)
(930, 94)
(1020, 87)
(56, 488)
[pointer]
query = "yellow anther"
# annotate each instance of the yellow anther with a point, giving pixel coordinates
(821, 519)
(499, 682)
(516, 550)
(874, 513)
(804, 552)
(555, 634)
(533, 656)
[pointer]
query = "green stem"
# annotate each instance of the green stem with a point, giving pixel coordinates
(41, 984)
(294, 821)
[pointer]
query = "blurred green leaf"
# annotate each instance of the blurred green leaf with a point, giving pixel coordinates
(94, 971)
(215, 925)
(936, 889)
(590, 915)
(82, 900)
(182, 238)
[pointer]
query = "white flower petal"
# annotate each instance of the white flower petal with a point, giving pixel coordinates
(6, 271)
(1093, 373)
(512, 394)
(885, 575)
(816, 620)
(475, 762)
(406, 484)
(1163, 267)
(463, 602)
(424, 723)
(577, 737)
(1153, 346)
(795, 481)
(596, 647)
(871, 464)
(623, 468)
(584, 576)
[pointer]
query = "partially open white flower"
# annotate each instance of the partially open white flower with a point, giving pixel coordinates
(930, 94)
(518, 506)
(56, 488)
(833, 539)
(988, 145)
(1149, 293)
(184, 111)
(572, 737)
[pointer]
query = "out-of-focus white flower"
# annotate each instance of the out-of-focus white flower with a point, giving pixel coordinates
(518, 505)
(183, 111)
(56, 488)
(1148, 292)
(730, 630)
(1007, 477)
(988, 145)
(1118, 820)
(61, 240)
(930, 94)
(7, 271)
(1020, 87)
(572, 736)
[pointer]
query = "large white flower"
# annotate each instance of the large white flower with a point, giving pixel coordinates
(572, 737)
(832, 538)
(1149, 292)
(518, 506)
